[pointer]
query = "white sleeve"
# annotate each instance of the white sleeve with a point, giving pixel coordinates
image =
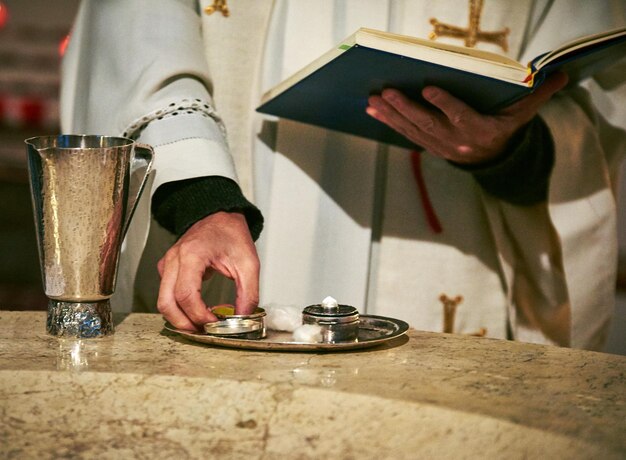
(583, 211)
(137, 69)
(559, 258)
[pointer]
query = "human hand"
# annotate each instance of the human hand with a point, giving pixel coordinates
(220, 242)
(453, 130)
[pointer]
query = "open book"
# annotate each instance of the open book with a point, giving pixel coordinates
(332, 91)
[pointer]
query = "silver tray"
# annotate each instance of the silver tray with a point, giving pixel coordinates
(373, 331)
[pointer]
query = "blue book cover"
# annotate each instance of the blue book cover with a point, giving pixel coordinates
(332, 92)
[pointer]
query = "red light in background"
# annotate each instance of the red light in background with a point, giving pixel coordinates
(63, 44)
(4, 15)
(31, 111)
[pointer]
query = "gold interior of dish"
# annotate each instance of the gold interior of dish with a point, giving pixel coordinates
(229, 310)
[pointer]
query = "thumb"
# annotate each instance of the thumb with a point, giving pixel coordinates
(553, 83)
(528, 106)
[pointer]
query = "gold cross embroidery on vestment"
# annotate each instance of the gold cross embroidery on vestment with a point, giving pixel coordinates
(450, 305)
(218, 5)
(471, 34)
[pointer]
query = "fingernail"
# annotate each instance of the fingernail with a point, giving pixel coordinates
(390, 96)
(371, 111)
(429, 92)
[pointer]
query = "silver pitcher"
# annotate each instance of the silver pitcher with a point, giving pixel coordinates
(84, 191)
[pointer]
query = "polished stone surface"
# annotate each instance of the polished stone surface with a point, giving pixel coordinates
(145, 392)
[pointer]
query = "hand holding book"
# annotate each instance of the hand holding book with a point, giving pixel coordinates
(332, 91)
(452, 129)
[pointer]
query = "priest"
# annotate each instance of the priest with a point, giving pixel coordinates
(504, 226)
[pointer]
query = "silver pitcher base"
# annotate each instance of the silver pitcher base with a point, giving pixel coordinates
(79, 319)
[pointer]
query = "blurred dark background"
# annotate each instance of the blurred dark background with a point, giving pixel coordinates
(32, 35)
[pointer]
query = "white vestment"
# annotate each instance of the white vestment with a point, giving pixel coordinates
(343, 216)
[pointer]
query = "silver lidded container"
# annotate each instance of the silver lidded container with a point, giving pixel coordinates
(338, 323)
(233, 326)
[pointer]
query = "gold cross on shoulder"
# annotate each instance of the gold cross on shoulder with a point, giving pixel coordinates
(218, 5)
(471, 34)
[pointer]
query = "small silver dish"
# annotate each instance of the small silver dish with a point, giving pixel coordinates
(237, 326)
(339, 323)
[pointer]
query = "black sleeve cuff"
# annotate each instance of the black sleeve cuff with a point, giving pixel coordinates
(176, 206)
(522, 175)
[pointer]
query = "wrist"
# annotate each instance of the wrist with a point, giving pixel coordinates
(178, 205)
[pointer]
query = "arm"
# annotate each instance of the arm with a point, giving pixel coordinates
(139, 71)
(509, 154)
(554, 253)
(201, 212)
(520, 175)
(493, 147)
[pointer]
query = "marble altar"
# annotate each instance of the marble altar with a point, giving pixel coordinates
(146, 392)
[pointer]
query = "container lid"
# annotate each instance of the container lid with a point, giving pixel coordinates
(340, 310)
(330, 308)
(232, 326)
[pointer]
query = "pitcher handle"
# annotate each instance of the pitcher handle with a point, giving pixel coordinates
(143, 157)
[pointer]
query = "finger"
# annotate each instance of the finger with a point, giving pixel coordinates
(160, 266)
(385, 113)
(424, 119)
(247, 285)
(458, 112)
(166, 303)
(208, 274)
(188, 289)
